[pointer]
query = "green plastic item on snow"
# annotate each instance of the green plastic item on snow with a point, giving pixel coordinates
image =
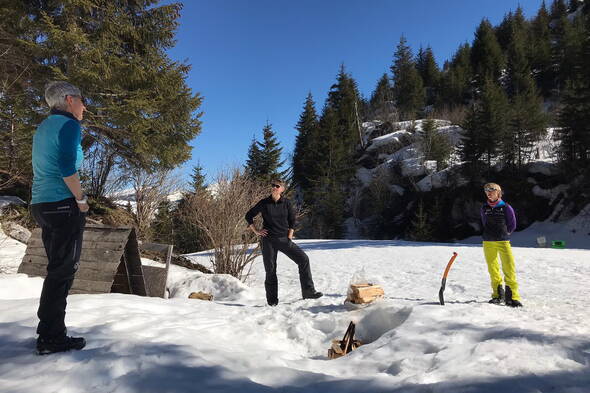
(558, 244)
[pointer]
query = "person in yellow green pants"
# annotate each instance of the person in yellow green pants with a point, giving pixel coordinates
(499, 221)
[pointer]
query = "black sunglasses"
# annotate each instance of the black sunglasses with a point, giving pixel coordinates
(276, 185)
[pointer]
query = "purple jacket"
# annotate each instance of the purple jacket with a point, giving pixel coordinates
(498, 221)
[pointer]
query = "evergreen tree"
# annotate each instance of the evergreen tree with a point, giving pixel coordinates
(162, 228)
(574, 117)
(430, 73)
(264, 158)
(407, 83)
(306, 127)
(470, 146)
(421, 228)
(487, 58)
(197, 182)
(330, 176)
(540, 55)
(527, 126)
(435, 146)
(381, 102)
(254, 165)
(138, 100)
(519, 72)
(492, 119)
(270, 152)
(455, 83)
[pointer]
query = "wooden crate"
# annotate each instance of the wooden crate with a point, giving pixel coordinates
(364, 293)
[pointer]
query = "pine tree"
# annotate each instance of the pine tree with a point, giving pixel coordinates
(197, 182)
(407, 83)
(270, 152)
(162, 228)
(430, 73)
(540, 51)
(456, 89)
(487, 58)
(519, 73)
(381, 102)
(121, 66)
(574, 117)
(435, 146)
(492, 119)
(306, 127)
(254, 166)
(527, 126)
(471, 146)
(421, 229)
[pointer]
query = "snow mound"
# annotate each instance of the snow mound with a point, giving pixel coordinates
(221, 286)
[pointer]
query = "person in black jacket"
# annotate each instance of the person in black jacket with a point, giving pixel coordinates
(279, 221)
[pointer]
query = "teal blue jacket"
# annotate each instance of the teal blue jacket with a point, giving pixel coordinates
(57, 153)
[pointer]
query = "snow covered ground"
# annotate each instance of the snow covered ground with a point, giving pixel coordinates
(238, 344)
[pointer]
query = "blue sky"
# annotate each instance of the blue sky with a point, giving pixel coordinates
(255, 60)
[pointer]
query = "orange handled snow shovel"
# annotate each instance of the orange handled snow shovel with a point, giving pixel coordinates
(441, 298)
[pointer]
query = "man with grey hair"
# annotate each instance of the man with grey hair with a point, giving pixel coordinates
(59, 206)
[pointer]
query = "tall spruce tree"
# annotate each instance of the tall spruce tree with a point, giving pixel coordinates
(456, 89)
(574, 117)
(381, 102)
(540, 51)
(430, 73)
(407, 83)
(197, 182)
(264, 158)
(306, 127)
(139, 103)
(492, 119)
(435, 146)
(487, 58)
(254, 166)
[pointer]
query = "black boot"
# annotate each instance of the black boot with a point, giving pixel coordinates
(45, 346)
(500, 298)
(313, 295)
(509, 301)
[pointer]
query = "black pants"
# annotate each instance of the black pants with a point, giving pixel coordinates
(62, 228)
(270, 247)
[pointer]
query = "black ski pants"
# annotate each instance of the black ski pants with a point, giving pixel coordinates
(62, 228)
(270, 248)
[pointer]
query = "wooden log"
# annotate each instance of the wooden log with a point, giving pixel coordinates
(200, 295)
(365, 293)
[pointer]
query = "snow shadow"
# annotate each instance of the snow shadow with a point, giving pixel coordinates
(112, 365)
(379, 321)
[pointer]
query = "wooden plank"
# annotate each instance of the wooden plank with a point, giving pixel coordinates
(86, 244)
(92, 254)
(110, 235)
(155, 280)
(110, 265)
(92, 286)
(36, 270)
(155, 247)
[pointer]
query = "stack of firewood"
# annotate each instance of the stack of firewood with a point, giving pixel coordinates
(344, 346)
(364, 293)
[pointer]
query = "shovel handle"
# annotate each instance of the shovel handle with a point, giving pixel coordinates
(449, 265)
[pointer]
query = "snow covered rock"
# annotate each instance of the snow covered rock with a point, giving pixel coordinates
(16, 231)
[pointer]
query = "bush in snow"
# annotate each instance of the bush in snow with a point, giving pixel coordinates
(220, 215)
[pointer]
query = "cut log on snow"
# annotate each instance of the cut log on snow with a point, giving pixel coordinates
(347, 344)
(200, 295)
(364, 293)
